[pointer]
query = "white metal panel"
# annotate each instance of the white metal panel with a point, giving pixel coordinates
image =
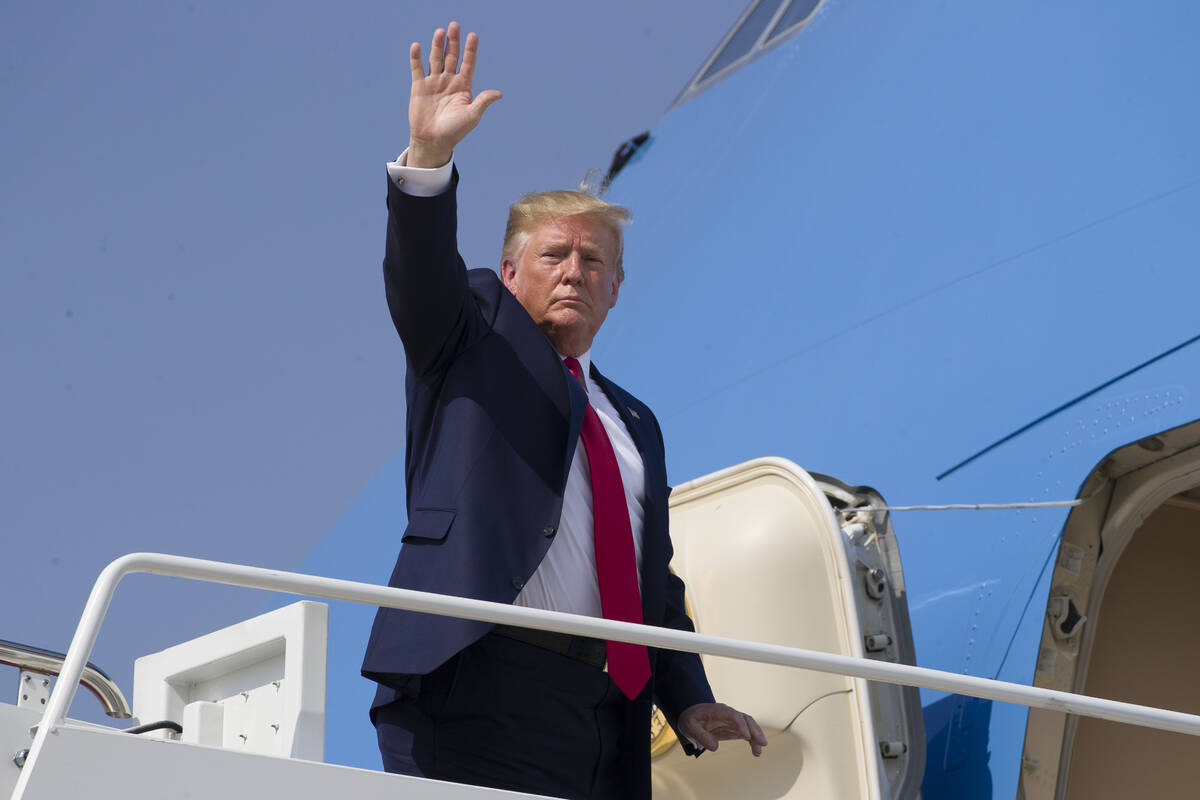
(33, 690)
(110, 765)
(14, 736)
(267, 674)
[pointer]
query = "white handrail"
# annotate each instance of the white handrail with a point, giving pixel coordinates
(445, 605)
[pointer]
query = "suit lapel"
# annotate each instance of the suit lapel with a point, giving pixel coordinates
(579, 404)
(543, 362)
(548, 370)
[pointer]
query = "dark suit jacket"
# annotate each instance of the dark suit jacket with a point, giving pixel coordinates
(493, 421)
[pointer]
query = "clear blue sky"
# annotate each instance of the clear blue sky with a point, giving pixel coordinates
(196, 354)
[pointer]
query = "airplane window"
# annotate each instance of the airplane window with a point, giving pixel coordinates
(797, 12)
(745, 37)
(752, 35)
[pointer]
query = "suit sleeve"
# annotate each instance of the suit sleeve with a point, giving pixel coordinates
(679, 681)
(426, 279)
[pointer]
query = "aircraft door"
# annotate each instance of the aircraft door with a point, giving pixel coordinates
(766, 558)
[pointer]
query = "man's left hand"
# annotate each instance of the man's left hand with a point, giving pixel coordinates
(708, 724)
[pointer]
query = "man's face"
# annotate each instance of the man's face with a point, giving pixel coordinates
(566, 278)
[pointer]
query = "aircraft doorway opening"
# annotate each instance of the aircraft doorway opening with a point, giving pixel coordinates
(1144, 651)
(1120, 624)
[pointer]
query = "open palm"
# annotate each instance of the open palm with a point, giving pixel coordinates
(441, 108)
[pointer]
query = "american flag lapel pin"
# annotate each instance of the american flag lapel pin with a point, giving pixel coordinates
(635, 414)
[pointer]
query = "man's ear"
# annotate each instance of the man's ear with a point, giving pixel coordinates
(615, 290)
(508, 273)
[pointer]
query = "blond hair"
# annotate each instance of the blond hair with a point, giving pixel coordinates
(535, 208)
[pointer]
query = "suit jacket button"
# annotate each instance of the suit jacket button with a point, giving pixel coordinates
(549, 531)
(518, 584)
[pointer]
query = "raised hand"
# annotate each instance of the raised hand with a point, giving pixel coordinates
(441, 110)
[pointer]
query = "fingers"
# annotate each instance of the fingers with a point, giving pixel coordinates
(414, 61)
(709, 723)
(450, 61)
(436, 52)
(692, 724)
(739, 720)
(468, 63)
(444, 51)
(758, 739)
(737, 725)
(727, 722)
(705, 739)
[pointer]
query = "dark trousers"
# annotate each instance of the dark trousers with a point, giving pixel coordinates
(511, 715)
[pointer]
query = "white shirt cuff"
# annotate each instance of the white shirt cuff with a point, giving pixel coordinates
(419, 181)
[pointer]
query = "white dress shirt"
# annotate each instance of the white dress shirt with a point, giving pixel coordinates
(566, 578)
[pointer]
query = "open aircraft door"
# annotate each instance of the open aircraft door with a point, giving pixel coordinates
(773, 554)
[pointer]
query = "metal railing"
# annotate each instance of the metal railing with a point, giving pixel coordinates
(49, 662)
(445, 605)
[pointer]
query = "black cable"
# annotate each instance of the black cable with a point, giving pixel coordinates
(162, 724)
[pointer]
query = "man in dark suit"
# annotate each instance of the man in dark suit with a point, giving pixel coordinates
(504, 505)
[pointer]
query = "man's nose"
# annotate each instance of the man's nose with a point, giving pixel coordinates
(572, 267)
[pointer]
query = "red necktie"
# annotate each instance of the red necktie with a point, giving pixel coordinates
(616, 565)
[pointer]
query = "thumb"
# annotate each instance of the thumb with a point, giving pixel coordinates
(699, 734)
(485, 99)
